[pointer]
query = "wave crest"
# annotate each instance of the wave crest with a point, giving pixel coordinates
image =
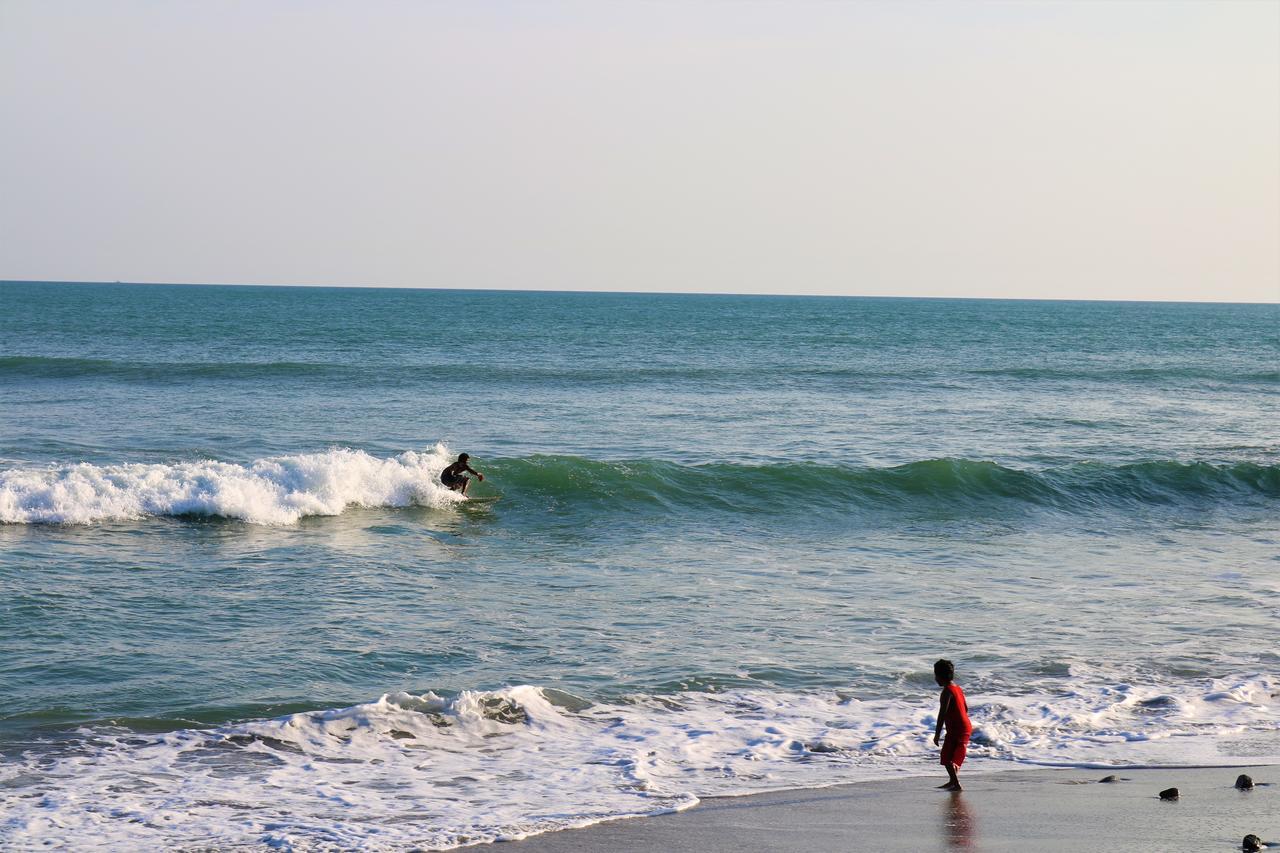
(928, 484)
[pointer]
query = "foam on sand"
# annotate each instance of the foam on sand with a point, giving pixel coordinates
(424, 770)
(277, 490)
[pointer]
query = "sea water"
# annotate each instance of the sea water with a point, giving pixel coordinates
(732, 535)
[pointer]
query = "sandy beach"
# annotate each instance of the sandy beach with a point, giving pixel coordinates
(1044, 810)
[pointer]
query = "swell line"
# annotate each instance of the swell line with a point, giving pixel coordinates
(281, 490)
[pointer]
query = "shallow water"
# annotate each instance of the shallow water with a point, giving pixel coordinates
(732, 535)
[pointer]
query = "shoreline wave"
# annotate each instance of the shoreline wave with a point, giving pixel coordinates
(421, 769)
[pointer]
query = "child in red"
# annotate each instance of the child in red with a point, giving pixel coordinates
(953, 711)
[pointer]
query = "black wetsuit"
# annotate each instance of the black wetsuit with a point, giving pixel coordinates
(452, 476)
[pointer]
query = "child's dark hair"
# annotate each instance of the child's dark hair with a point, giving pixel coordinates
(944, 670)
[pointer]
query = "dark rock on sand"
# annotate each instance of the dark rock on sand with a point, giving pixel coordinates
(1169, 794)
(1244, 781)
(1108, 779)
(1251, 843)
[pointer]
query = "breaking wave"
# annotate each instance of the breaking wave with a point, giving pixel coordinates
(280, 490)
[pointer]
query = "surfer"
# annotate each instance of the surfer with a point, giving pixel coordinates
(452, 476)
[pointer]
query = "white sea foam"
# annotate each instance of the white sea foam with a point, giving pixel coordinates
(410, 770)
(278, 490)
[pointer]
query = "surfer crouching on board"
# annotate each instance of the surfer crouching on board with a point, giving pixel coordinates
(452, 476)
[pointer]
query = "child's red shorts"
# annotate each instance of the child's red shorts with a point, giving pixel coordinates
(953, 748)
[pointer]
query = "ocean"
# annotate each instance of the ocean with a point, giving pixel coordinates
(731, 536)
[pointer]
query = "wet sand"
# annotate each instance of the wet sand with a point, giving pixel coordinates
(1042, 810)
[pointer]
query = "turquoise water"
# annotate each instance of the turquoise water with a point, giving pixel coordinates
(732, 535)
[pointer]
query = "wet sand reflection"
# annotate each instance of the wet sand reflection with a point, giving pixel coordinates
(960, 827)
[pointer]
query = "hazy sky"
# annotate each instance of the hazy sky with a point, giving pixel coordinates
(1026, 149)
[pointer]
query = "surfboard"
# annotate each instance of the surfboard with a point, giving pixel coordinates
(483, 499)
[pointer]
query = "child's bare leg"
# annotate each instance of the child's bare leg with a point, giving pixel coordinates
(951, 782)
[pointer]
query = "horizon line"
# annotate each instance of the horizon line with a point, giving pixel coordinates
(637, 292)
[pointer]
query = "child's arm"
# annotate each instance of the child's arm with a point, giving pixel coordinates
(942, 714)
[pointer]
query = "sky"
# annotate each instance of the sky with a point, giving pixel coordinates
(1078, 150)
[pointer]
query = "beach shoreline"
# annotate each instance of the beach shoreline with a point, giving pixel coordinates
(242, 612)
(1050, 810)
